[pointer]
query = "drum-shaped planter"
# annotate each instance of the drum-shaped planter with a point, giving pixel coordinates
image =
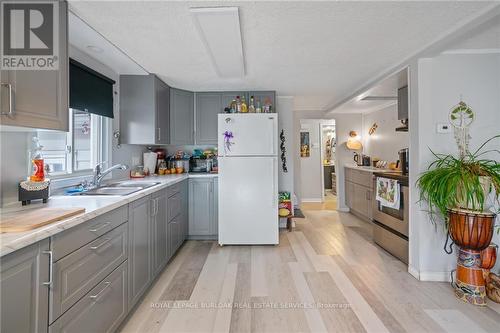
(472, 232)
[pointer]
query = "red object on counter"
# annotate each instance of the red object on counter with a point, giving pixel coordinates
(38, 174)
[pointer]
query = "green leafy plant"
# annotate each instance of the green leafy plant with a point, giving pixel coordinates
(460, 182)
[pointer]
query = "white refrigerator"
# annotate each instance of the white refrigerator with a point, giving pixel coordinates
(248, 178)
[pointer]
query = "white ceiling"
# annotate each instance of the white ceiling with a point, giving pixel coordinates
(318, 52)
(84, 38)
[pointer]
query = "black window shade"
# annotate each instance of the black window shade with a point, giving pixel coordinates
(89, 90)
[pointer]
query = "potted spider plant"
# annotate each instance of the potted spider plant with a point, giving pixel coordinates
(463, 182)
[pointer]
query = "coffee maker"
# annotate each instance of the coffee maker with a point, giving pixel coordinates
(404, 158)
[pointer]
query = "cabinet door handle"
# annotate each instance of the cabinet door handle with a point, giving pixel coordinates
(51, 269)
(96, 296)
(104, 225)
(100, 245)
(11, 101)
(159, 133)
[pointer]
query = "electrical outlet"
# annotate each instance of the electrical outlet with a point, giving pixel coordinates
(443, 128)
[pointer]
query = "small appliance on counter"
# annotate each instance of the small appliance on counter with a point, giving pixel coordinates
(362, 160)
(200, 164)
(403, 163)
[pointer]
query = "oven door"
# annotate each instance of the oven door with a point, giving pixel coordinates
(395, 219)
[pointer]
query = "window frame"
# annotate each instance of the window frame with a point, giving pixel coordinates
(102, 155)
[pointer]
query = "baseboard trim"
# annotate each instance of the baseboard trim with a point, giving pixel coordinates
(414, 272)
(435, 276)
(311, 200)
(343, 210)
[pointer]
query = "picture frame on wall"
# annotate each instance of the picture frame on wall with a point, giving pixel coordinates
(305, 146)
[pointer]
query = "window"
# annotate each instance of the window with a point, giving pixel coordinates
(79, 150)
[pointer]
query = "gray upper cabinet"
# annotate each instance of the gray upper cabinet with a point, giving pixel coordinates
(140, 249)
(203, 217)
(144, 110)
(25, 296)
(38, 98)
(181, 117)
(208, 106)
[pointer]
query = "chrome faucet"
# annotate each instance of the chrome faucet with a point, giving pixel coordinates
(99, 174)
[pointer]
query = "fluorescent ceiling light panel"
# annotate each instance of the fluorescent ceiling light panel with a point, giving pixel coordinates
(219, 29)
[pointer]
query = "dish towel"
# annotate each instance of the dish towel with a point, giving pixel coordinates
(388, 192)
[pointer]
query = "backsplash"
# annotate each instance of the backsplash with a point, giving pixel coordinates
(13, 163)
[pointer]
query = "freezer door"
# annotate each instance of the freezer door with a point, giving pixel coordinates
(253, 134)
(248, 200)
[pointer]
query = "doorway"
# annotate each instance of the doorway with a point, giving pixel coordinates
(329, 178)
(317, 160)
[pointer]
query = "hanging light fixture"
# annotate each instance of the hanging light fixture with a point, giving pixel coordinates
(353, 142)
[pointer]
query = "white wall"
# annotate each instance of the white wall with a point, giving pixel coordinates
(297, 116)
(385, 142)
(442, 81)
(284, 105)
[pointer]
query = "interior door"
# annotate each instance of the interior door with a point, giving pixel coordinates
(248, 200)
(252, 134)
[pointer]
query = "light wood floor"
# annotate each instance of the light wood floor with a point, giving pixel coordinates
(329, 203)
(326, 276)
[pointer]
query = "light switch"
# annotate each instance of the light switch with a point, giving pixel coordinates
(443, 128)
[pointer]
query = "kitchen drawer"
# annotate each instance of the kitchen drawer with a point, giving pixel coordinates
(68, 241)
(364, 178)
(174, 189)
(76, 274)
(174, 206)
(100, 310)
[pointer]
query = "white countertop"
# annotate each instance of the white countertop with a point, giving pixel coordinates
(94, 206)
(368, 168)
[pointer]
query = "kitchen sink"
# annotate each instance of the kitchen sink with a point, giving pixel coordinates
(108, 190)
(133, 183)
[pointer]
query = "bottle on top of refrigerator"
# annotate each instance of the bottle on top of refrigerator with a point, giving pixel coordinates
(38, 168)
(251, 107)
(244, 108)
(233, 106)
(238, 104)
(258, 107)
(267, 105)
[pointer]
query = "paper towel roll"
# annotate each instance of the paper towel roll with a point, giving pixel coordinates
(150, 162)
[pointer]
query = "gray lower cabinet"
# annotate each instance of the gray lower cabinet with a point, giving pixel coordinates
(140, 248)
(77, 273)
(25, 296)
(100, 310)
(203, 216)
(177, 216)
(144, 110)
(359, 192)
(159, 235)
(38, 98)
(181, 117)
